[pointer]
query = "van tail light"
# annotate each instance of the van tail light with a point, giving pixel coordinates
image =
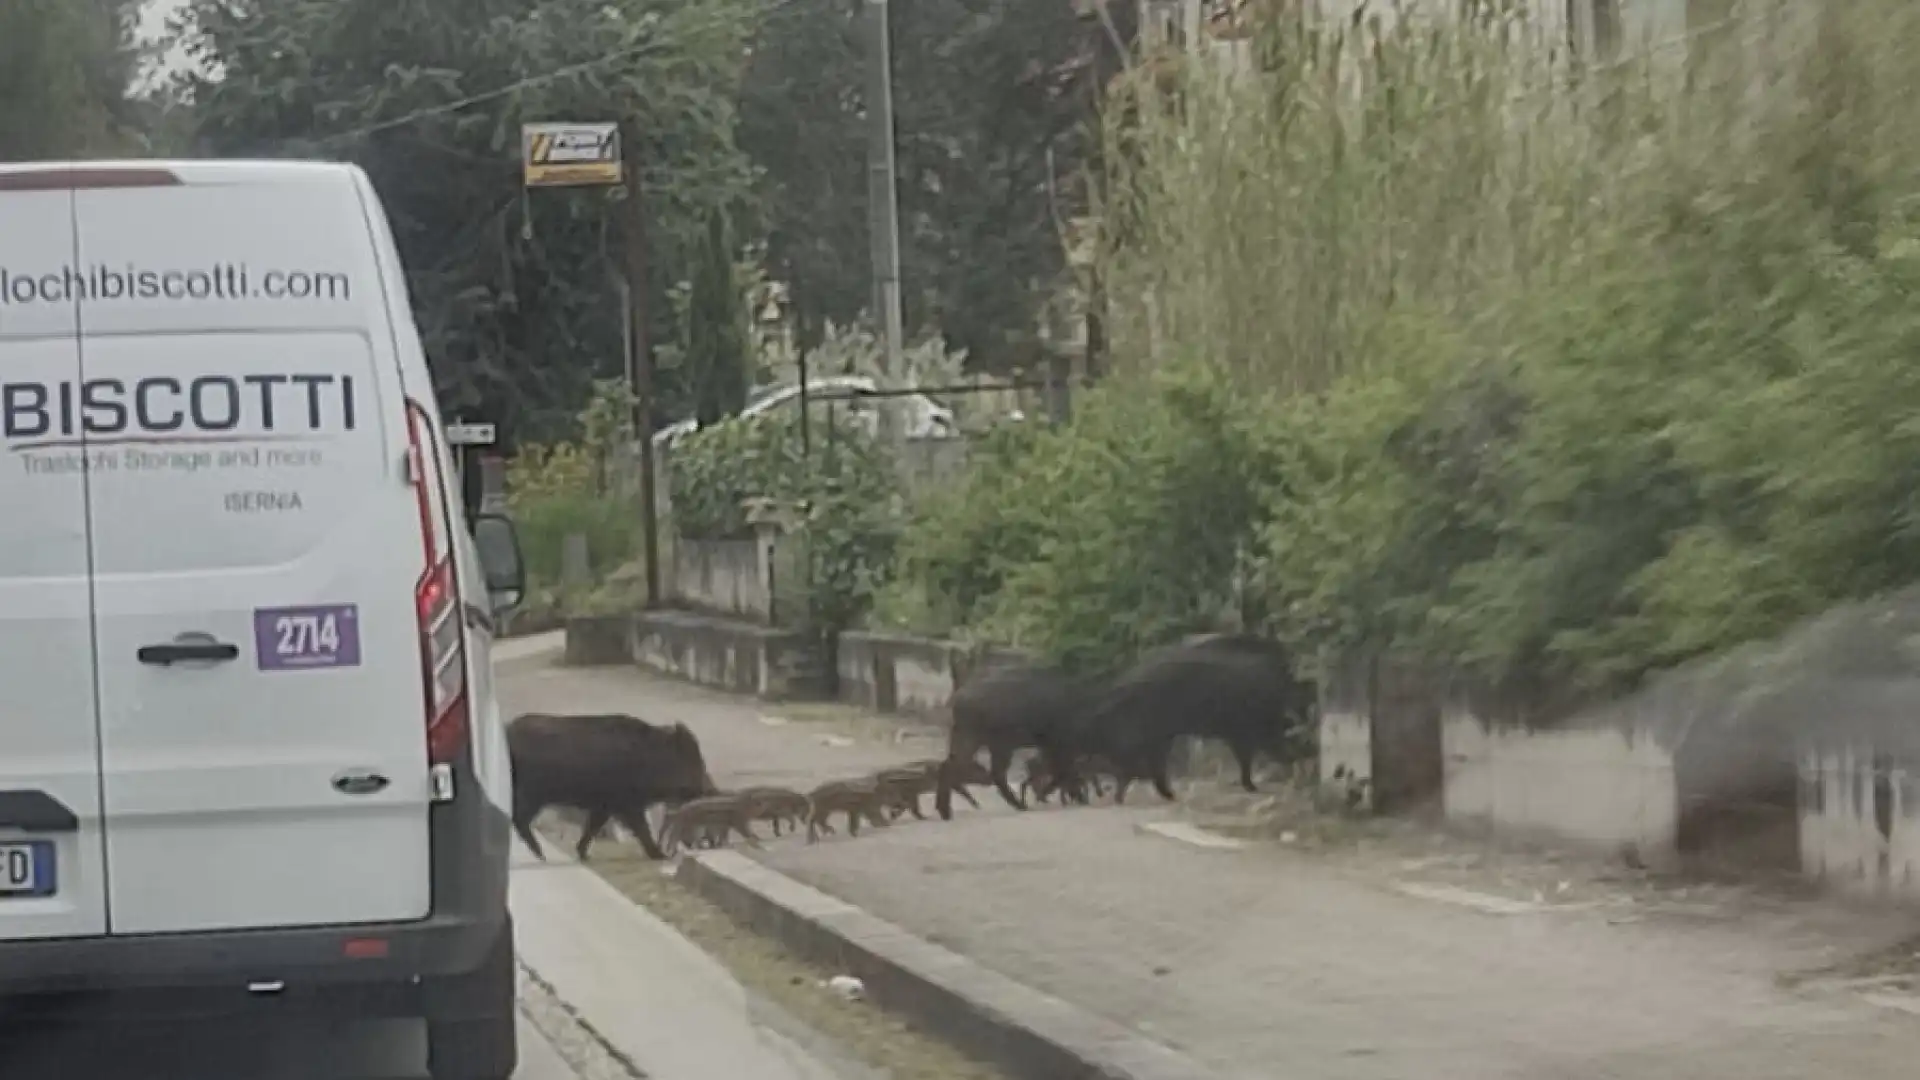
(444, 659)
(436, 601)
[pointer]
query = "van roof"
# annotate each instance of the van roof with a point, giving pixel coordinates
(158, 172)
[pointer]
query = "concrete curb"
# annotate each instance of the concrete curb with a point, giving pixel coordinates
(1033, 1036)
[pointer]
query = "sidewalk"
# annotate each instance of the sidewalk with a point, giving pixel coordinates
(648, 994)
(1268, 962)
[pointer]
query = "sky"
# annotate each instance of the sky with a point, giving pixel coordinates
(153, 22)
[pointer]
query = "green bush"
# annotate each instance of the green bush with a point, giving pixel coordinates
(557, 490)
(963, 540)
(1118, 531)
(1554, 375)
(843, 495)
(610, 525)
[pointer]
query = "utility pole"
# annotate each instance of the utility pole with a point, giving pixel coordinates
(640, 356)
(883, 201)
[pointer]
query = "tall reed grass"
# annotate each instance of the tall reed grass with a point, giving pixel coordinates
(1441, 156)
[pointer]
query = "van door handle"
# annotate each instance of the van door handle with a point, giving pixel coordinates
(184, 651)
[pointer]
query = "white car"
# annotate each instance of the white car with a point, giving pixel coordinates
(251, 752)
(924, 418)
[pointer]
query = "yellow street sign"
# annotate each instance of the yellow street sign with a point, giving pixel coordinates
(570, 155)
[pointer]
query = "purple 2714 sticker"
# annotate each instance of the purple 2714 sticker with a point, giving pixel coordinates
(299, 638)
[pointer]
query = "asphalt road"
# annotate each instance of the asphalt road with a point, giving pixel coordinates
(387, 1051)
(609, 992)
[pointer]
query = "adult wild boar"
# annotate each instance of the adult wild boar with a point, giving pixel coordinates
(613, 767)
(1005, 709)
(1237, 688)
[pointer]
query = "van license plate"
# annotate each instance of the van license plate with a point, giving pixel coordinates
(27, 869)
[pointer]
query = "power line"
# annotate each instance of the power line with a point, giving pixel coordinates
(528, 83)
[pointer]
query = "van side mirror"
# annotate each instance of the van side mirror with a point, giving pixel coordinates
(500, 560)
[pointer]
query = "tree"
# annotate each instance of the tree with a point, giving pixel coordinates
(801, 121)
(992, 123)
(716, 330)
(66, 67)
(515, 291)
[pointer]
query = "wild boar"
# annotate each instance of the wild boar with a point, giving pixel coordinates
(905, 784)
(709, 818)
(860, 798)
(777, 806)
(1238, 688)
(609, 765)
(1005, 709)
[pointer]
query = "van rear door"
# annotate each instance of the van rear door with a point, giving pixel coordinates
(52, 873)
(256, 547)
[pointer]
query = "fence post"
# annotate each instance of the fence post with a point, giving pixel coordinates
(576, 567)
(1059, 389)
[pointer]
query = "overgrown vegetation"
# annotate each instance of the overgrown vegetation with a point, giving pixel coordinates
(840, 501)
(564, 488)
(66, 72)
(1554, 373)
(515, 293)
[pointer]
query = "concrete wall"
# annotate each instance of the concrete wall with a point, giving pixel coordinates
(1860, 821)
(727, 654)
(725, 577)
(709, 650)
(1598, 785)
(893, 673)
(1794, 754)
(1346, 752)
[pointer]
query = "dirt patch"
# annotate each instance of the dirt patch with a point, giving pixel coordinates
(1893, 969)
(861, 1030)
(1410, 850)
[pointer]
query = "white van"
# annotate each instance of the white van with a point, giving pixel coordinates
(250, 757)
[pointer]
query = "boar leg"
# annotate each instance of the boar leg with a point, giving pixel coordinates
(1243, 751)
(596, 820)
(944, 782)
(1158, 773)
(525, 809)
(636, 823)
(746, 833)
(1063, 773)
(1126, 771)
(1000, 759)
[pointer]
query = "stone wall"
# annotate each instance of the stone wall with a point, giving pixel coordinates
(1598, 785)
(722, 577)
(900, 673)
(1860, 821)
(1799, 754)
(765, 661)
(891, 673)
(726, 654)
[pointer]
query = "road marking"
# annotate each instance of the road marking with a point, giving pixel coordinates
(1905, 1003)
(1192, 834)
(1478, 901)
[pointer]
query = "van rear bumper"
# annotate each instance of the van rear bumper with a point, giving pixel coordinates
(374, 953)
(361, 969)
